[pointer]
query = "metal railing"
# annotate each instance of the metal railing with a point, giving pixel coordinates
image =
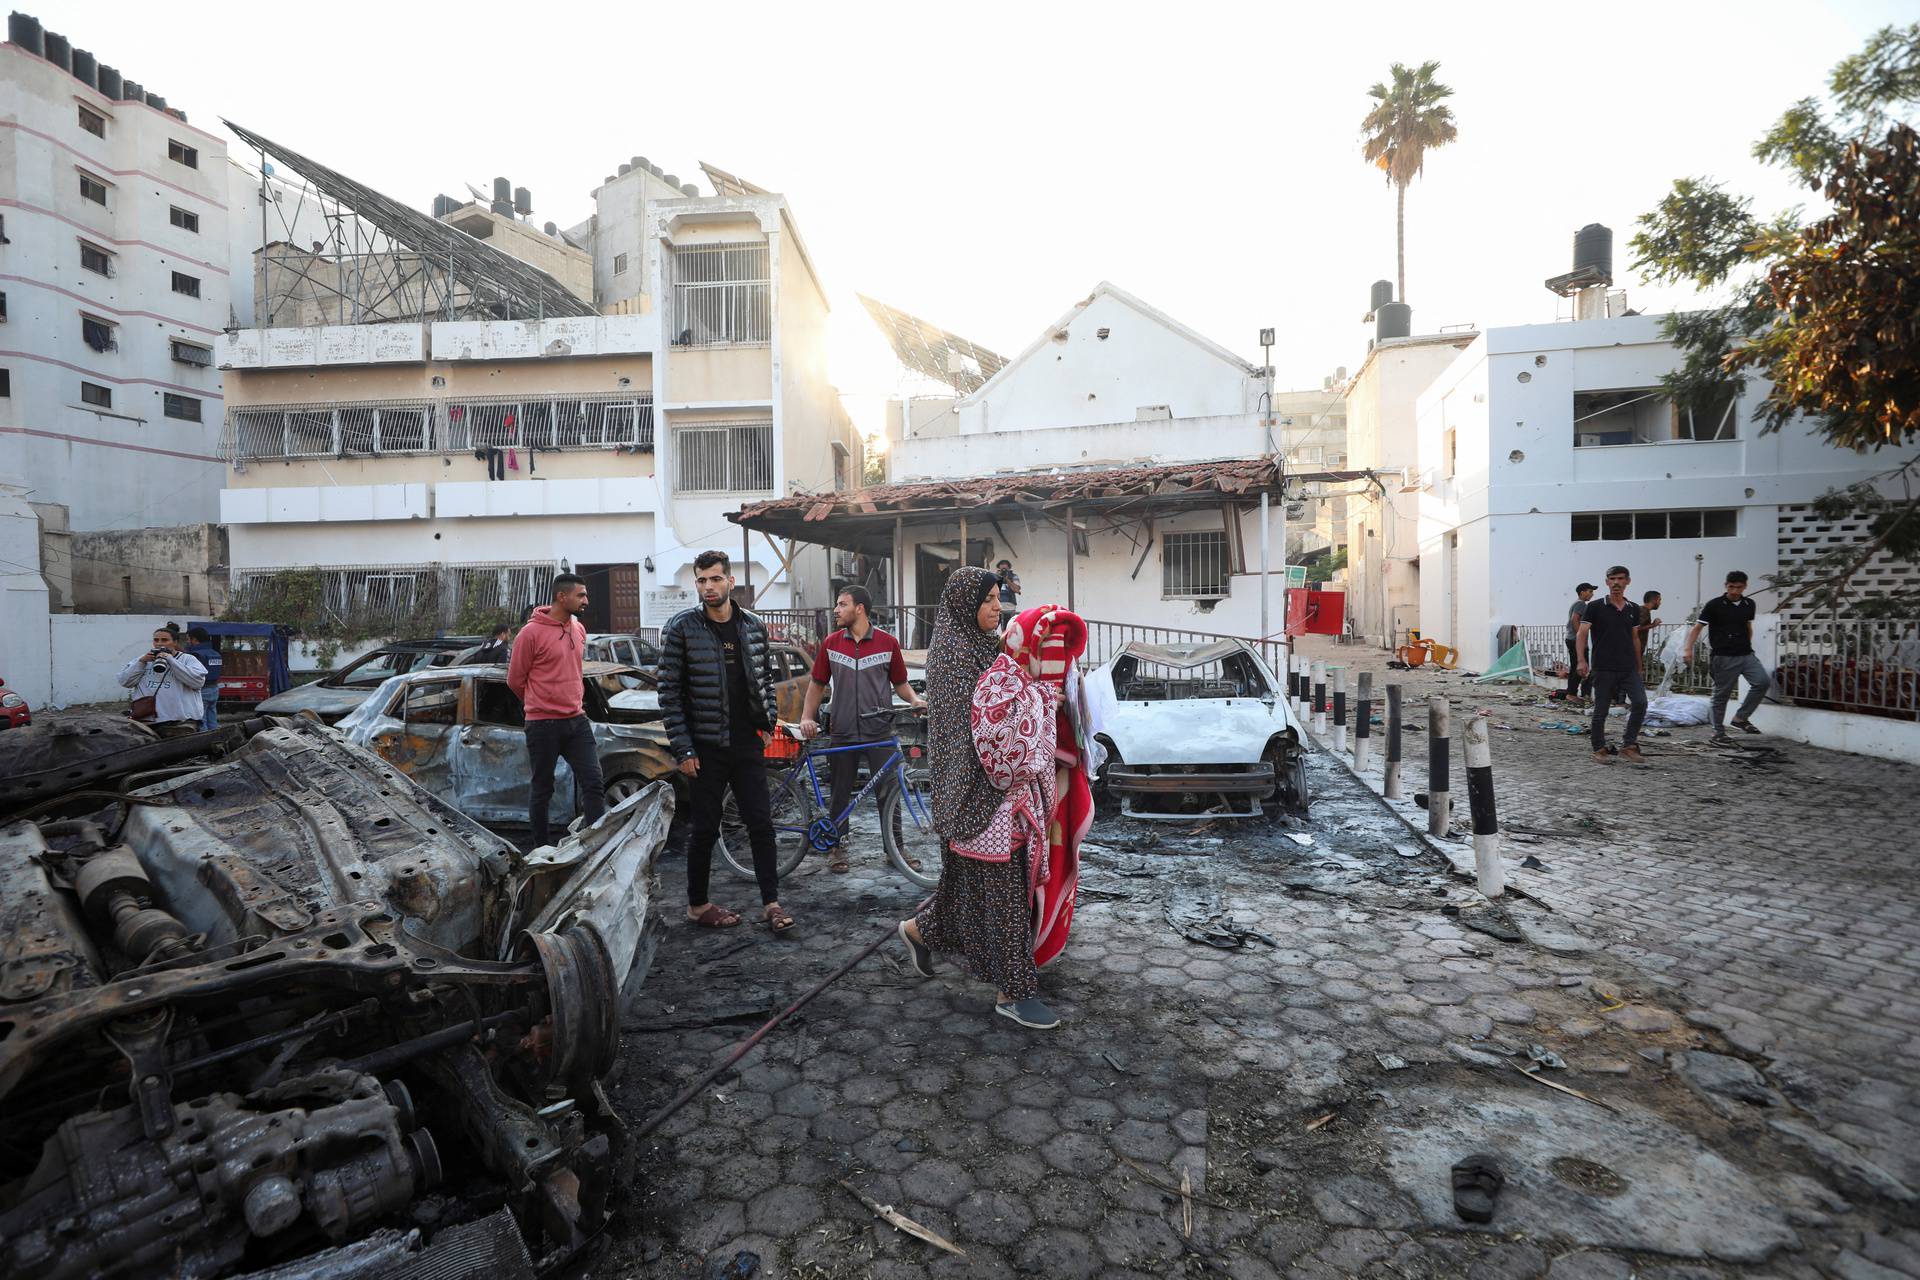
(724, 457)
(1547, 649)
(721, 294)
(392, 599)
(377, 428)
(1867, 666)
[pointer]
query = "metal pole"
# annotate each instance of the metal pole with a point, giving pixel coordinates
(1266, 629)
(1439, 800)
(1339, 708)
(1486, 827)
(1070, 608)
(1320, 697)
(963, 539)
(746, 561)
(1363, 724)
(1393, 742)
(900, 573)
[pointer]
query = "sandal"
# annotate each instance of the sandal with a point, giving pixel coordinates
(838, 863)
(778, 918)
(714, 916)
(1476, 1181)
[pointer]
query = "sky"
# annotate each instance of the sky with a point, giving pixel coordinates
(985, 165)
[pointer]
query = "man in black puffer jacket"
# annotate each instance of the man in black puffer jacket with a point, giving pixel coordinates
(716, 690)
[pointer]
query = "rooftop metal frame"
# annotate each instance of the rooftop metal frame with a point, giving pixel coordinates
(928, 349)
(390, 262)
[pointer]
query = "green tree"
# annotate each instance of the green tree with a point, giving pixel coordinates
(1409, 118)
(1827, 309)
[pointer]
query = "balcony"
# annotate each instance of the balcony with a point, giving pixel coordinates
(443, 425)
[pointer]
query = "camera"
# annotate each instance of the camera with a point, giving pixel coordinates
(159, 664)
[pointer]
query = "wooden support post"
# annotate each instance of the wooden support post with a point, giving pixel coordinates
(1070, 608)
(746, 560)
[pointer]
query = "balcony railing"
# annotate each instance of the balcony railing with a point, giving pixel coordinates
(1870, 667)
(448, 424)
(400, 600)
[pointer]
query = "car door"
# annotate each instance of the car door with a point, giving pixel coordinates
(419, 745)
(791, 668)
(493, 771)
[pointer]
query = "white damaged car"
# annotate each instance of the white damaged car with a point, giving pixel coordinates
(1194, 731)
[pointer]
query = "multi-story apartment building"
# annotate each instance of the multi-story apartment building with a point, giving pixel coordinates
(113, 288)
(434, 471)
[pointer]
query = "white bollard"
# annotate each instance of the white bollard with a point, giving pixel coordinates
(1319, 696)
(1486, 827)
(1363, 725)
(1439, 795)
(1339, 708)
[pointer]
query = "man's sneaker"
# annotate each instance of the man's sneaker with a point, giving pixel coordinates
(1632, 755)
(918, 952)
(1603, 756)
(1029, 1013)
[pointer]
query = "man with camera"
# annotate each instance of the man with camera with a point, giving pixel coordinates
(166, 687)
(1009, 591)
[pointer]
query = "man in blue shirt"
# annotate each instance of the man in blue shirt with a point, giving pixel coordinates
(200, 645)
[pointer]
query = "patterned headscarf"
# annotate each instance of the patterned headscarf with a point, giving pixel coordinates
(964, 798)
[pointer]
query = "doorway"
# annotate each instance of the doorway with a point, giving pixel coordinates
(934, 563)
(613, 597)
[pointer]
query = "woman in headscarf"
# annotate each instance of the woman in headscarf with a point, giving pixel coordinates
(995, 745)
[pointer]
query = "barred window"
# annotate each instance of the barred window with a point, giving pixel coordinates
(96, 395)
(1639, 526)
(93, 122)
(186, 284)
(96, 259)
(181, 153)
(91, 188)
(185, 408)
(721, 293)
(192, 353)
(724, 457)
(182, 218)
(1194, 565)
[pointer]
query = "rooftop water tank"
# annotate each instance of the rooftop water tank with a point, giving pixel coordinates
(1593, 247)
(522, 201)
(24, 30)
(107, 80)
(1380, 295)
(85, 69)
(444, 205)
(1392, 320)
(59, 51)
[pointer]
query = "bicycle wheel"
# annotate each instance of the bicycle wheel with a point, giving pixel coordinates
(906, 828)
(794, 811)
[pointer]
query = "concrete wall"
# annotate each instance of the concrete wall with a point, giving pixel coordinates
(1383, 529)
(1499, 466)
(137, 570)
(1077, 378)
(128, 464)
(89, 649)
(56, 555)
(1113, 443)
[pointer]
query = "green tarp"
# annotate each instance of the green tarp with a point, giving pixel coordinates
(1512, 666)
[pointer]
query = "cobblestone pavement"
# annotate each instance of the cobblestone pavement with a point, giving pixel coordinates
(1770, 892)
(1314, 1091)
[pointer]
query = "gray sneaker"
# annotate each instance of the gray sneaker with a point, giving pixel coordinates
(1029, 1013)
(918, 952)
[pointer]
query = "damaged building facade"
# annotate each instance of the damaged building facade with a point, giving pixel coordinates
(426, 439)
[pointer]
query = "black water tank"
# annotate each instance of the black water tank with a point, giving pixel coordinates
(1381, 295)
(24, 30)
(1593, 247)
(85, 69)
(551, 230)
(503, 190)
(1392, 320)
(522, 201)
(59, 51)
(107, 80)
(444, 205)
(157, 102)
(130, 91)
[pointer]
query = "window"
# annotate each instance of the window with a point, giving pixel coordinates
(431, 702)
(181, 153)
(725, 457)
(189, 285)
(721, 293)
(91, 188)
(1193, 566)
(3, 307)
(98, 334)
(94, 394)
(1640, 526)
(6, 383)
(494, 703)
(192, 353)
(1644, 415)
(96, 259)
(185, 408)
(183, 219)
(93, 122)
(619, 264)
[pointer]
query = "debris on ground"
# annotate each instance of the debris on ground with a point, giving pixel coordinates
(1200, 918)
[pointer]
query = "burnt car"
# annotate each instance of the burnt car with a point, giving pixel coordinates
(332, 697)
(1196, 731)
(266, 1007)
(460, 732)
(621, 646)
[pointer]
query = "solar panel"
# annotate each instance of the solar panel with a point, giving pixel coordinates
(925, 348)
(726, 184)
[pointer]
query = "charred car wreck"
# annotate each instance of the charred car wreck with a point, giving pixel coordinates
(266, 1006)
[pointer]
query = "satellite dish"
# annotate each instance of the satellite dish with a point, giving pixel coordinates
(479, 196)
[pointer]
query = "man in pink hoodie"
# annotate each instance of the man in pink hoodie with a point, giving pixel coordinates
(546, 674)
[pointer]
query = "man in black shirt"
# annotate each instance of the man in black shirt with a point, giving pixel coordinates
(1607, 649)
(1728, 621)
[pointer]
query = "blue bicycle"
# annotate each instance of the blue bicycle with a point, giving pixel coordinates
(800, 810)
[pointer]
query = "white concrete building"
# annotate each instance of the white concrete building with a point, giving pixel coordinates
(113, 286)
(479, 456)
(1112, 383)
(1547, 454)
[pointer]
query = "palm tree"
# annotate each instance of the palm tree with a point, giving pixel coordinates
(1407, 118)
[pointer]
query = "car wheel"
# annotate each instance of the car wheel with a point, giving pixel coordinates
(620, 786)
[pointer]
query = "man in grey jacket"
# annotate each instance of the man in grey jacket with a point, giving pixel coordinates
(716, 696)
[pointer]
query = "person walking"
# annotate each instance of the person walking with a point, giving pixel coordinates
(1009, 587)
(498, 648)
(547, 675)
(1576, 687)
(166, 686)
(1606, 649)
(200, 645)
(994, 736)
(1728, 622)
(861, 668)
(1649, 619)
(716, 695)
